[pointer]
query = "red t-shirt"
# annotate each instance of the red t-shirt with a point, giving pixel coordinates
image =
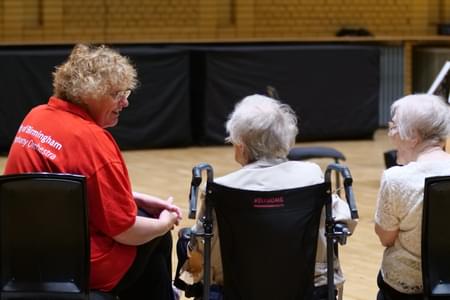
(61, 137)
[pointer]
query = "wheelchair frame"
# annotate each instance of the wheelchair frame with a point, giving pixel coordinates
(333, 233)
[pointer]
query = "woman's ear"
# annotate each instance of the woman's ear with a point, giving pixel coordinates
(240, 154)
(412, 143)
(415, 141)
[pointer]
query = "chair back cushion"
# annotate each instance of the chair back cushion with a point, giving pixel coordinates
(44, 235)
(268, 240)
(436, 237)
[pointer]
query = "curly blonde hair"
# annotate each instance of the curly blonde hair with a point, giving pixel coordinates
(93, 72)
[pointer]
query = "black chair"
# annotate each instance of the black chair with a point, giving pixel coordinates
(435, 238)
(44, 238)
(390, 158)
(305, 153)
(268, 239)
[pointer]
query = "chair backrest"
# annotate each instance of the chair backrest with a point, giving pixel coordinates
(44, 236)
(436, 237)
(268, 240)
(304, 153)
(390, 158)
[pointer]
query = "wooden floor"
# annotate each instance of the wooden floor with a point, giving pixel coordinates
(167, 172)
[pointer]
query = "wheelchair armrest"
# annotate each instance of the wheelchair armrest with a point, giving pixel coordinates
(188, 235)
(185, 233)
(341, 232)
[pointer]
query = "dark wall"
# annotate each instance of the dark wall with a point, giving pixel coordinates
(159, 111)
(25, 81)
(333, 89)
(186, 92)
(159, 114)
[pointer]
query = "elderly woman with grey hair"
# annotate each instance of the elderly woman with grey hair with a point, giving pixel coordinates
(262, 131)
(419, 128)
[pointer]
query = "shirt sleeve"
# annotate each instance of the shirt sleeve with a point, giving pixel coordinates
(341, 212)
(112, 208)
(386, 215)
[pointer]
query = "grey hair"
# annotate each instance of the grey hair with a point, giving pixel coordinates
(422, 116)
(93, 72)
(264, 126)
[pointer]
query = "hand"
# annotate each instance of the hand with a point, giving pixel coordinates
(154, 205)
(171, 218)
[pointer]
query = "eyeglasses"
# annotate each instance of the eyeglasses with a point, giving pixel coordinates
(122, 95)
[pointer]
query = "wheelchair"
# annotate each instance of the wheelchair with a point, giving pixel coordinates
(268, 239)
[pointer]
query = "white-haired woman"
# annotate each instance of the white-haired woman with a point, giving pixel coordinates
(419, 128)
(130, 253)
(262, 131)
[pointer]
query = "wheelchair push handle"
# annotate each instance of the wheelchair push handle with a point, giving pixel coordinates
(348, 180)
(351, 202)
(343, 170)
(195, 183)
(193, 201)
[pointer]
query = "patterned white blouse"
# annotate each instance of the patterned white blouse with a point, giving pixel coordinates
(399, 206)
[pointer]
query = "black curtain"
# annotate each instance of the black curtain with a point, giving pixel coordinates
(186, 92)
(333, 89)
(159, 111)
(159, 114)
(25, 81)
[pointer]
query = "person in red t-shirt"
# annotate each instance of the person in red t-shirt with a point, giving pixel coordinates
(131, 244)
